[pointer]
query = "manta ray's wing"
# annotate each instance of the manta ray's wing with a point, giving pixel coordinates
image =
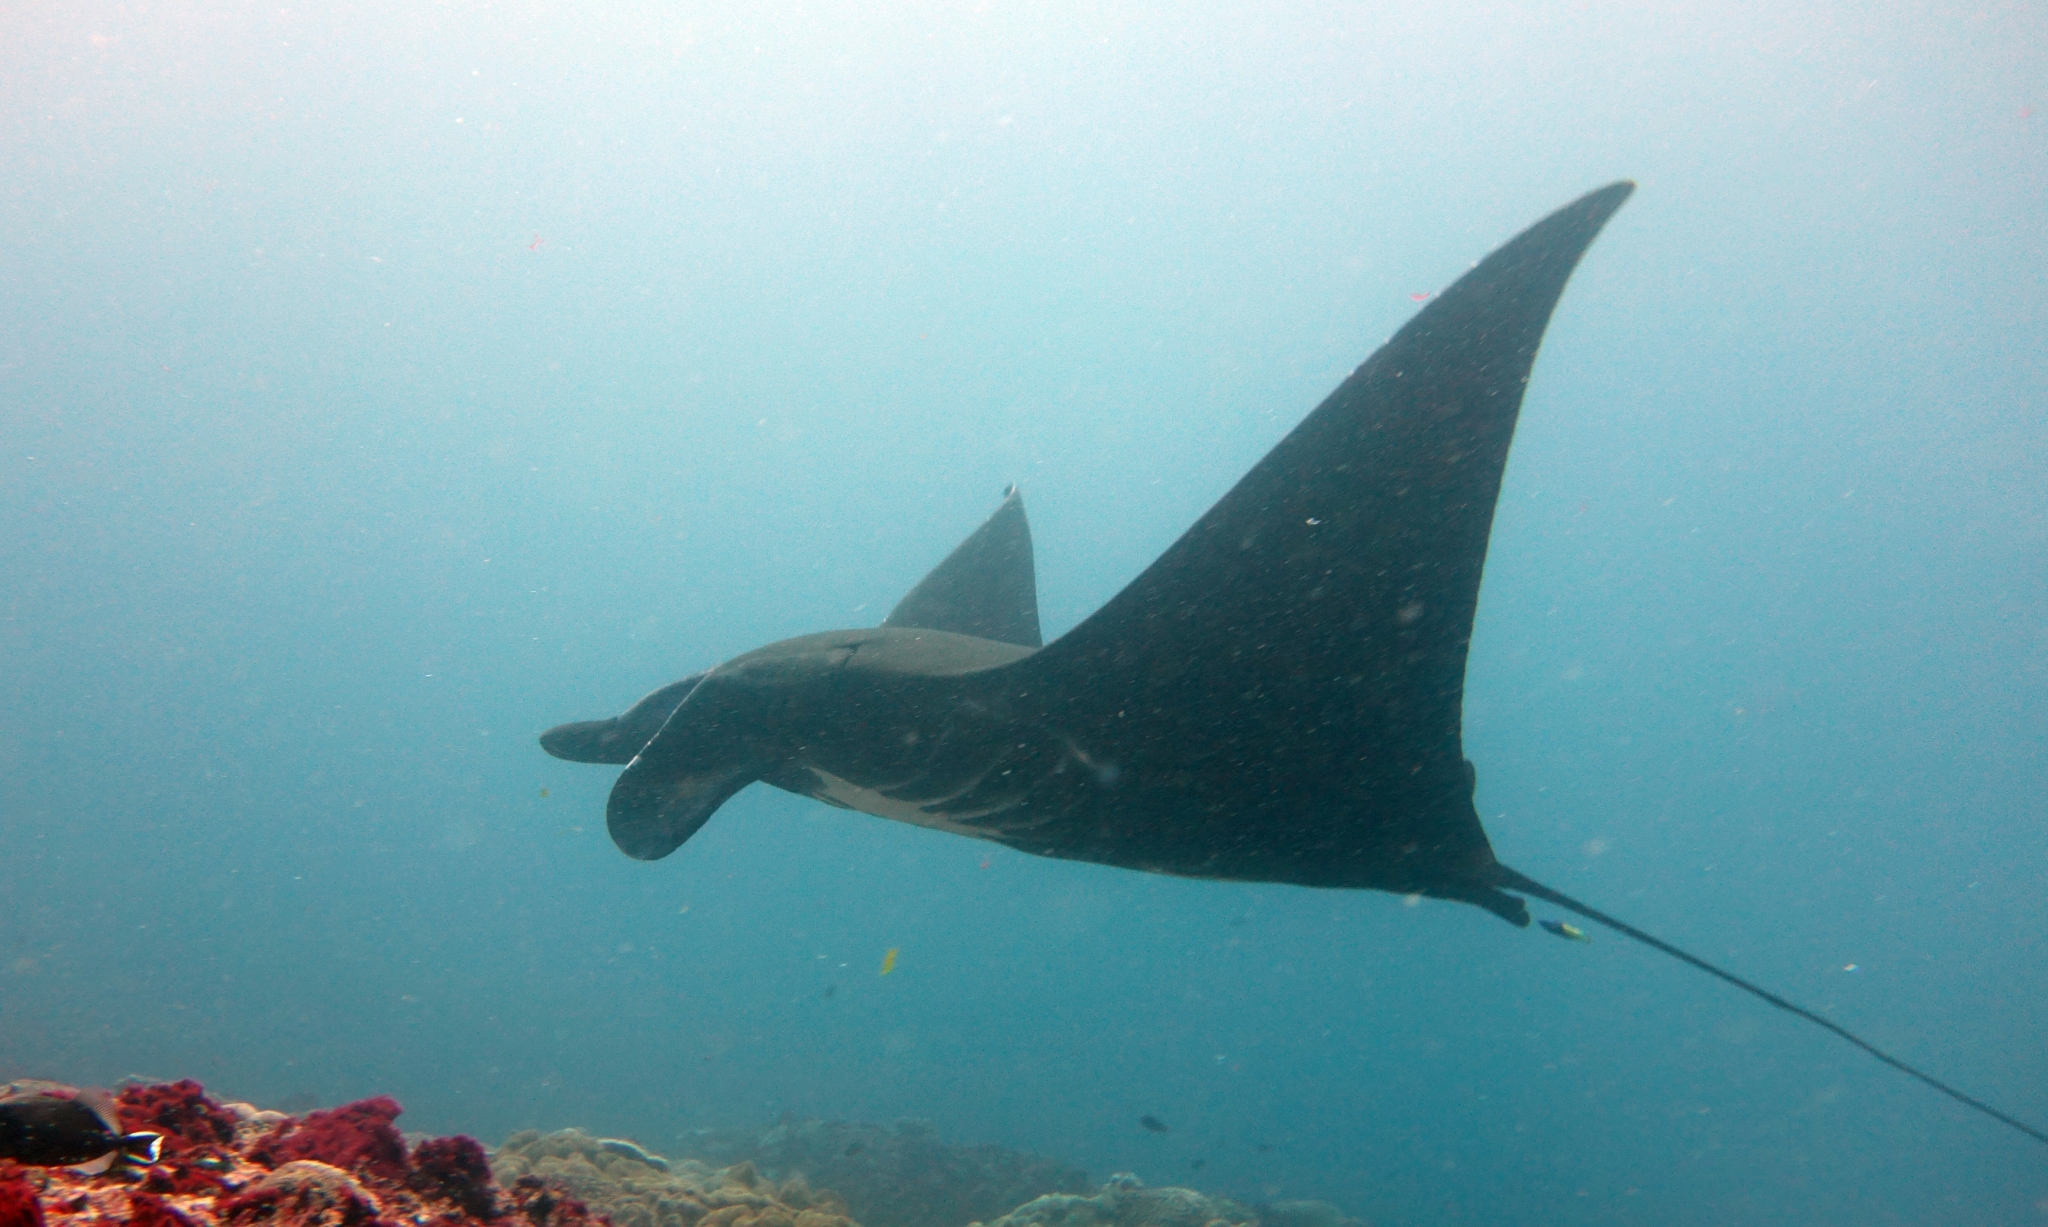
(987, 587)
(1292, 669)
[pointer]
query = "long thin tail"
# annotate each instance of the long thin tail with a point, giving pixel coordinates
(1510, 880)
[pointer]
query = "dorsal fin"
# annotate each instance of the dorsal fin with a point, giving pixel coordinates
(987, 587)
(102, 1104)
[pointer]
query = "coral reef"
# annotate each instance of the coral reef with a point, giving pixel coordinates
(356, 1137)
(455, 1170)
(232, 1165)
(892, 1176)
(1126, 1202)
(302, 1191)
(18, 1204)
(636, 1189)
(181, 1112)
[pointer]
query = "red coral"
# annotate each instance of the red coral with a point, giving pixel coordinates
(457, 1170)
(18, 1204)
(354, 1137)
(181, 1111)
(149, 1210)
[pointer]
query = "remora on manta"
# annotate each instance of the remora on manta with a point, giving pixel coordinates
(1277, 698)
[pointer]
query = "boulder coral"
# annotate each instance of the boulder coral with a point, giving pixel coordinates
(897, 1175)
(1126, 1202)
(233, 1165)
(633, 1189)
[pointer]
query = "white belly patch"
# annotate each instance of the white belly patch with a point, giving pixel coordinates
(830, 787)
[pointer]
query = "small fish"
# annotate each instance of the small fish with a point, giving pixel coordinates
(1153, 1124)
(543, 794)
(854, 1148)
(1264, 1148)
(1565, 929)
(1198, 1164)
(831, 989)
(888, 962)
(1424, 296)
(48, 1124)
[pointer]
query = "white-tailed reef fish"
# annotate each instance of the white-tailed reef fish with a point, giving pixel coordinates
(1279, 697)
(48, 1124)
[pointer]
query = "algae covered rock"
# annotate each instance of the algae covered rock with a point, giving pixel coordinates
(636, 1188)
(898, 1175)
(1126, 1202)
(301, 1193)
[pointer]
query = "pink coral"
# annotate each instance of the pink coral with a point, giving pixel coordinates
(354, 1137)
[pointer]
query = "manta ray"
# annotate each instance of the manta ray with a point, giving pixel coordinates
(1277, 698)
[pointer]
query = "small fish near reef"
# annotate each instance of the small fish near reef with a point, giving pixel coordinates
(888, 962)
(48, 1124)
(1565, 929)
(1153, 1124)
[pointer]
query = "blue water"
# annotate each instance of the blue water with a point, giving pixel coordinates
(383, 385)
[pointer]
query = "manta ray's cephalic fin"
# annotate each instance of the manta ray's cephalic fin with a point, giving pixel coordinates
(618, 738)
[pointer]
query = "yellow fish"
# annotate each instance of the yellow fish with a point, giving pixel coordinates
(1565, 929)
(888, 962)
